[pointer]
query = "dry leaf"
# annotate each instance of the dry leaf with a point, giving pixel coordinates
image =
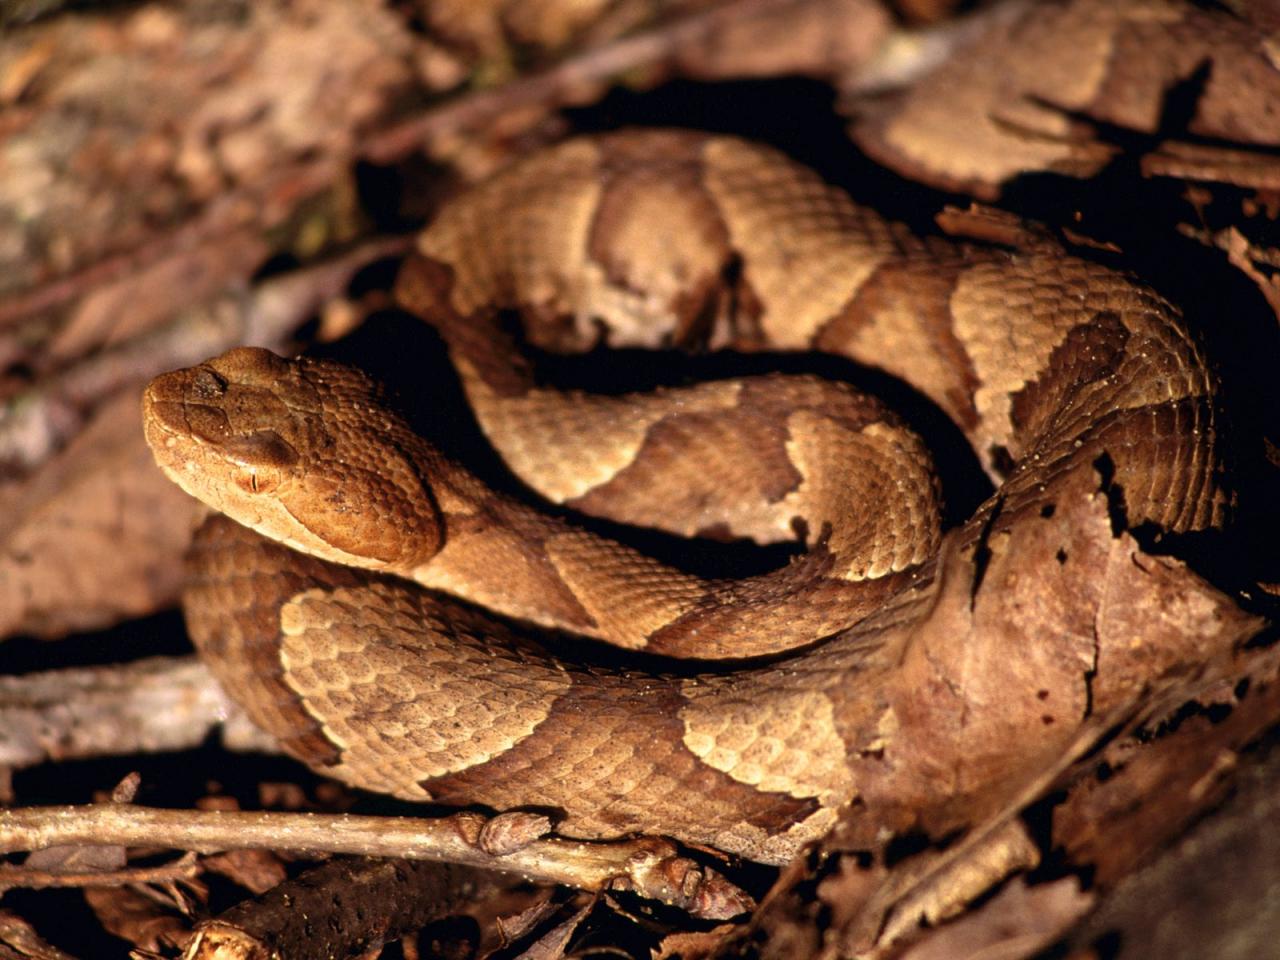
(1017, 922)
(95, 535)
(1026, 94)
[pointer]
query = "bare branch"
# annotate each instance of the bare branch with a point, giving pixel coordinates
(184, 868)
(648, 866)
(159, 704)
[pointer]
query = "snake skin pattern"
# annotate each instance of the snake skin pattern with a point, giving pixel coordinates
(505, 696)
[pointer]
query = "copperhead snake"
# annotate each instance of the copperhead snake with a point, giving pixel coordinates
(1049, 364)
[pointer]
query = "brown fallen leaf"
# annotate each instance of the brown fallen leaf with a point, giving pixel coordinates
(693, 946)
(553, 944)
(94, 536)
(1017, 922)
(136, 918)
(943, 891)
(185, 107)
(255, 870)
(1021, 664)
(1028, 91)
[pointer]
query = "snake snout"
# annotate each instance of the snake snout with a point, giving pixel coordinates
(165, 406)
(183, 404)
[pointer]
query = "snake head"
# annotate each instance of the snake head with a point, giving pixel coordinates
(302, 451)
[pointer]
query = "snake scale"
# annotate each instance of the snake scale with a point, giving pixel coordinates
(1049, 364)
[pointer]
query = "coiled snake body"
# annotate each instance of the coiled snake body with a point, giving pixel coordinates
(1050, 365)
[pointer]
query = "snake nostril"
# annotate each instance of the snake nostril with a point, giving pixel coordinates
(206, 384)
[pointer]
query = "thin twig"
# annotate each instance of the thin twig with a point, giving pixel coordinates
(184, 868)
(648, 866)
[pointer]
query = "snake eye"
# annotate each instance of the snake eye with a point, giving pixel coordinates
(256, 480)
(260, 460)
